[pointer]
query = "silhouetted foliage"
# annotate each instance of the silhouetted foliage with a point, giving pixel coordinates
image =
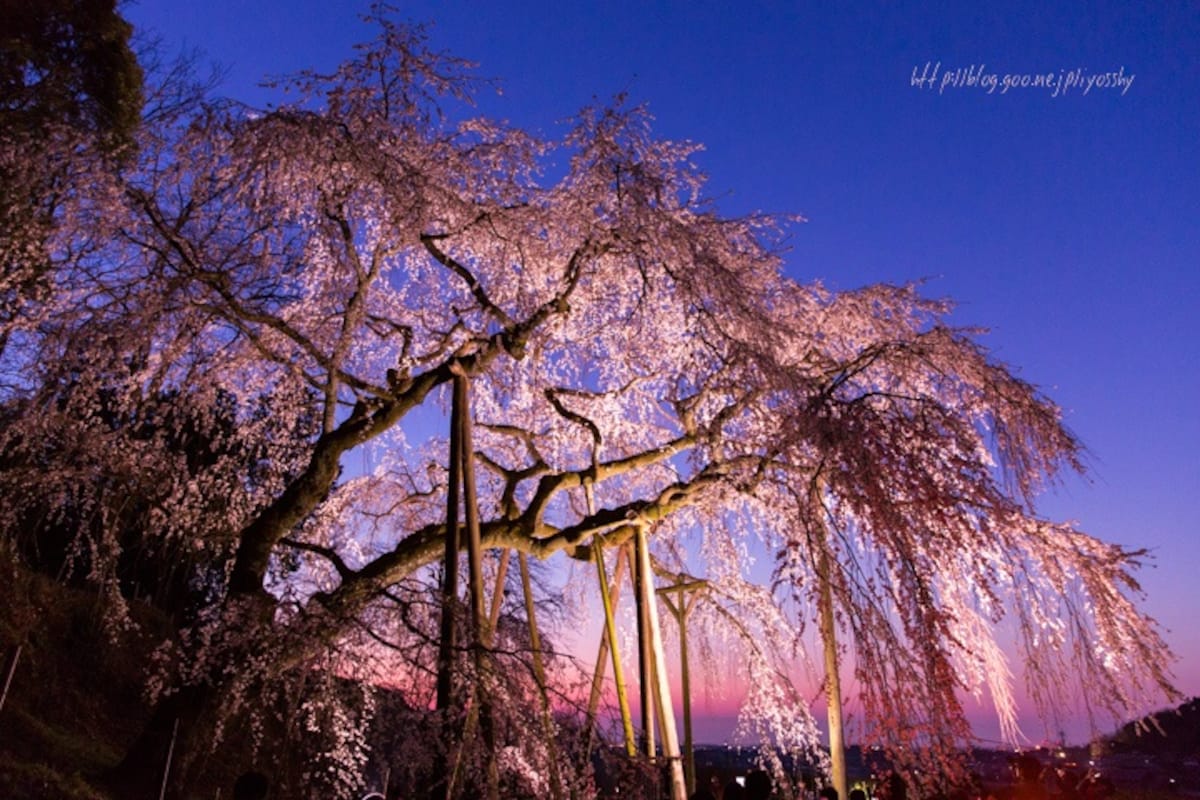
(68, 62)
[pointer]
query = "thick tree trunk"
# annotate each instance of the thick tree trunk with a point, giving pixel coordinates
(174, 728)
(182, 722)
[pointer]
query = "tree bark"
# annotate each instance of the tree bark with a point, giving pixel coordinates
(140, 772)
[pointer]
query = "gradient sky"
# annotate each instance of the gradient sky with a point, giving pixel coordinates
(1067, 225)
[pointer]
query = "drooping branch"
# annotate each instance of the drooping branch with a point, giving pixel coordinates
(430, 241)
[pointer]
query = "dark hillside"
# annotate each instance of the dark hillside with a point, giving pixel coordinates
(1169, 732)
(77, 700)
(76, 693)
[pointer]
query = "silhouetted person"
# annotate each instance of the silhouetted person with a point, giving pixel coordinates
(829, 793)
(894, 787)
(1098, 788)
(251, 786)
(733, 791)
(758, 785)
(858, 794)
(1029, 772)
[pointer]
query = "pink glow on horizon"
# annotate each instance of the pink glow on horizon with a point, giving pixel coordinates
(715, 709)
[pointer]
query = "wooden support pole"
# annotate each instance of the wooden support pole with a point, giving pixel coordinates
(447, 762)
(608, 644)
(689, 744)
(658, 663)
(498, 590)
(833, 682)
(480, 634)
(447, 643)
(162, 792)
(641, 582)
(539, 673)
(680, 610)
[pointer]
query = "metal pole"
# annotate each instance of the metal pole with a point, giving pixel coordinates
(12, 670)
(162, 792)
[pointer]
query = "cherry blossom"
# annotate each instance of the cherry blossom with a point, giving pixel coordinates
(242, 366)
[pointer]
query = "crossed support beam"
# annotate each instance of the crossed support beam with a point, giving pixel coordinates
(656, 702)
(680, 608)
(609, 595)
(480, 625)
(656, 705)
(656, 667)
(479, 716)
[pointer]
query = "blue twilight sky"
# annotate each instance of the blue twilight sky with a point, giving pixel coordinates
(1065, 224)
